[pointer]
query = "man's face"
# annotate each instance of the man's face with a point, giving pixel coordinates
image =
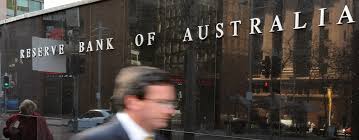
(158, 106)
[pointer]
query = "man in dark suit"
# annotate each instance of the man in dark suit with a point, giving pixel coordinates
(144, 98)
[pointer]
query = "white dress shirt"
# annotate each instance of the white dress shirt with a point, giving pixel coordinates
(133, 130)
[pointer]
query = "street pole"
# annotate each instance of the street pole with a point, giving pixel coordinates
(190, 121)
(99, 69)
(1, 87)
(76, 100)
(76, 84)
(5, 96)
(190, 106)
(249, 92)
(5, 104)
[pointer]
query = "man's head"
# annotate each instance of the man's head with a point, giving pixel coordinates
(27, 107)
(147, 94)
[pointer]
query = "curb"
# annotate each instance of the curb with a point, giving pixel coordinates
(59, 125)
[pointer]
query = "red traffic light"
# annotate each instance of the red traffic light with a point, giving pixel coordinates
(266, 84)
(7, 91)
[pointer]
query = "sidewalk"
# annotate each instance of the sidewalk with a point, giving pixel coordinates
(221, 135)
(56, 121)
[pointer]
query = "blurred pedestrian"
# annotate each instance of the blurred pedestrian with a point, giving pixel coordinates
(144, 99)
(27, 124)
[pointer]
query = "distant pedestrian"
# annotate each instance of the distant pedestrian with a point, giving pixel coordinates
(27, 124)
(144, 99)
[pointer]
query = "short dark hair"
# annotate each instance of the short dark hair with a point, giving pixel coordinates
(133, 81)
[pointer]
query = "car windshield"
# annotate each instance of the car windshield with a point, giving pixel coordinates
(86, 115)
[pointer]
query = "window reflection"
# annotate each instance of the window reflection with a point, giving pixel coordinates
(301, 82)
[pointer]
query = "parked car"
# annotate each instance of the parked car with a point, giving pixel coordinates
(91, 118)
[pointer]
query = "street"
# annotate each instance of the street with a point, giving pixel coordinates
(60, 131)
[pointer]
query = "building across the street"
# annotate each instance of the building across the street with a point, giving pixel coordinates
(11, 8)
(243, 69)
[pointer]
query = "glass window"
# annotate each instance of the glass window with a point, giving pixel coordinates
(97, 114)
(34, 6)
(10, 12)
(22, 7)
(87, 115)
(10, 4)
(10, 8)
(19, 12)
(22, 3)
(293, 84)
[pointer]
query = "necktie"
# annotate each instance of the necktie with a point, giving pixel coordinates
(150, 138)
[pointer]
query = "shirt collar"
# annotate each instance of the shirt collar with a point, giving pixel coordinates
(133, 130)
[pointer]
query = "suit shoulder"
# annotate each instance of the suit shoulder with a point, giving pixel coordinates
(108, 131)
(160, 137)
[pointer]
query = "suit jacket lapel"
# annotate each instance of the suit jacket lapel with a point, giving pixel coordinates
(119, 131)
(159, 137)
